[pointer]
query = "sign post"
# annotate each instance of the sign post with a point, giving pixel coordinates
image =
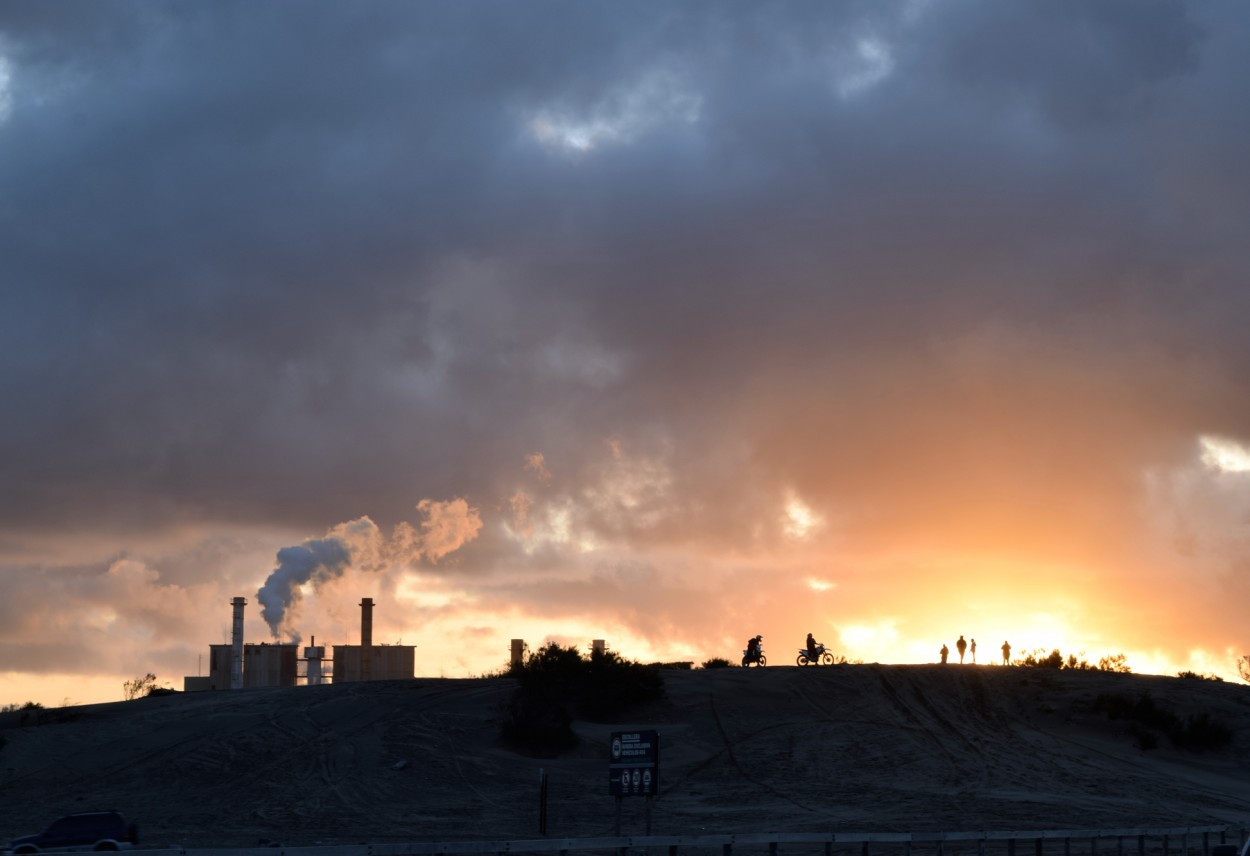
(634, 768)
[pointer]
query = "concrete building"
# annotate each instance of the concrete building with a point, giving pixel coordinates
(375, 663)
(267, 665)
(369, 662)
(263, 665)
(220, 658)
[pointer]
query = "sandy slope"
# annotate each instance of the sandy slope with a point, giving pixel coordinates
(843, 748)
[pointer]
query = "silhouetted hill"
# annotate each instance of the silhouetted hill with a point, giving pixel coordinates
(843, 748)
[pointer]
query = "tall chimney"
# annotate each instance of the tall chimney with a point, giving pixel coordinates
(236, 644)
(366, 639)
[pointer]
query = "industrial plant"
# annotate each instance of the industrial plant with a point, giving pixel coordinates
(237, 665)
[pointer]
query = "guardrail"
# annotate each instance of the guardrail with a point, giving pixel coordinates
(1181, 841)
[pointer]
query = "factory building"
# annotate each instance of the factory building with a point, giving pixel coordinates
(262, 665)
(236, 665)
(369, 662)
(270, 665)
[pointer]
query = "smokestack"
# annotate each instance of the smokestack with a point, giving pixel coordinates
(236, 644)
(366, 638)
(366, 622)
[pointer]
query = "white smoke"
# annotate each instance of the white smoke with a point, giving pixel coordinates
(316, 561)
(359, 544)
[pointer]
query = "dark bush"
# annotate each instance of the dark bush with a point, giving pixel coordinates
(716, 663)
(1199, 731)
(1114, 663)
(537, 726)
(1053, 660)
(556, 682)
(1195, 732)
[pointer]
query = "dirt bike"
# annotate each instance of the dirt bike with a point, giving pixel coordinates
(757, 659)
(821, 658)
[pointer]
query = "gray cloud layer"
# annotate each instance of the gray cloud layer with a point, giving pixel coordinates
(287, 264)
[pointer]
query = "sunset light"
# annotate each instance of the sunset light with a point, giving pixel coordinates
(666, 325)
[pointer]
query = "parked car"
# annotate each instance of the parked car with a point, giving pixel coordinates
(88, 830)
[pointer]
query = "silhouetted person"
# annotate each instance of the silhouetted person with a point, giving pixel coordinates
(811, 647)
(972, 649)
(945, 651)
(1006, 653)
(962, 646)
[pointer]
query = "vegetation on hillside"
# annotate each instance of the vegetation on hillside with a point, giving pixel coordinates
(1150, 720)
(555, 684)
(1038, 658)
(139, 687)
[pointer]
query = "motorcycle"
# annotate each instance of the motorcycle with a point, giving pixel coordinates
(821, 657)
(755, 658)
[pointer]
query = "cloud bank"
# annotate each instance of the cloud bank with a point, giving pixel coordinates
(939, 305)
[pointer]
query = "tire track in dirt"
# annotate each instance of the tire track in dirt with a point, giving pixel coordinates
(974, 751)
(733, 759)
(892, 694)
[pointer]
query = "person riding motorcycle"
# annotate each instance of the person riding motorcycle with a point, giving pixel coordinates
(753, 650)
(811, 647)
(753, 647)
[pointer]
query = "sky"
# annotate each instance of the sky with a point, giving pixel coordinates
(661, 323)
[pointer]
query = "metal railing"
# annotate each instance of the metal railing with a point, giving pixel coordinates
(1168, 841)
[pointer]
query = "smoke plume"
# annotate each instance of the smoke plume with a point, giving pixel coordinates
(359, 544)
(315, 560)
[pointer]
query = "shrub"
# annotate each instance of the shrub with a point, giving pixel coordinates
(555, 682)
(1053, 660)
(139, 687)
(1199, 731)
(1114, 663)
(30, 705)
(1195, 732)
(536, 725)
(1038, 658)
(1195, 676)
(717, 663)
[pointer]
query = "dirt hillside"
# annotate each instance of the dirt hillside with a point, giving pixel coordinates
(842, 748)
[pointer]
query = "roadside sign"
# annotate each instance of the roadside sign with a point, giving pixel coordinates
(634, 764)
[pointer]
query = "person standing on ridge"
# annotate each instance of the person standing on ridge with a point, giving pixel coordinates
(972, 649)
(962, 646)
(1006, 653)
(944, 652)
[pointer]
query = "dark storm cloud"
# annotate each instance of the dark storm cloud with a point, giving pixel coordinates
(298, 263)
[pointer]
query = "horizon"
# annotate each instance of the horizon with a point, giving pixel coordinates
(667, 326)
